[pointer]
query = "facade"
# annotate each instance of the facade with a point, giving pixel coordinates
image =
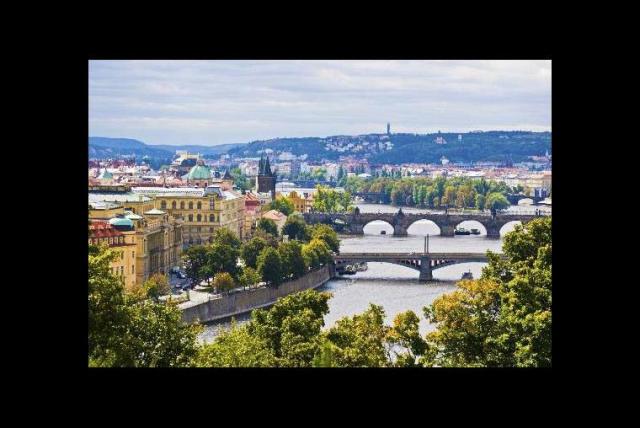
(202, 210)
(102, 232)
(266, 179)
(252, 208)
(279, 218)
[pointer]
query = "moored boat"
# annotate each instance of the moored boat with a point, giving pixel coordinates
(475, 232)
(461, 231)
(467, 275)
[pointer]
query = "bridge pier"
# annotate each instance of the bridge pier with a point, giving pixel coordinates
(399, 230)
(446, 230)
(426, 273)
(493, 232)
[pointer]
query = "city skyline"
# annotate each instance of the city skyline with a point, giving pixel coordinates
(221, 102)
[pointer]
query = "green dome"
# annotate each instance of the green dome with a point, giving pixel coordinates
(199, 172)
(105, 174)
(121, 221)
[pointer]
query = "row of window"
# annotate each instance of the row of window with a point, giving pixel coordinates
(116, 271)
(201, 218)
(110, 241)
(174, 205)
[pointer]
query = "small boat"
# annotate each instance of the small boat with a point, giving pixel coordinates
(467, 275)
(462, 231)
(383, 232)
(475, 232)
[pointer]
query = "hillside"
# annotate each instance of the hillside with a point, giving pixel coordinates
(103, 147)
(408, 148)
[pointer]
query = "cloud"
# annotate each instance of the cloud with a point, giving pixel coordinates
(218, 102)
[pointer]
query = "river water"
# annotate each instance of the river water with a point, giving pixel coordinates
(395, 288)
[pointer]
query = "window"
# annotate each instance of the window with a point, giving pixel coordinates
(211, 230)
(199, 205)
(121, 270)
(190, 241)
(163, 205)
(122, 255)
(173, 205)
(133, 254)
(190, 217)
(212, 218)
(190, 205)
(133, 268)
(198, 229)
(199, 217)
(211, 203)
(182, 205)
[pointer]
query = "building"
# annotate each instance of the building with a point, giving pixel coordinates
(200, 175)
(102, 232)
(202, 210)
(266, 179)
(252, 208)
(148, 244)
(278, 218)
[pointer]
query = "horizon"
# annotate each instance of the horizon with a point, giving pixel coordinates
(215, 102)
(327, 136)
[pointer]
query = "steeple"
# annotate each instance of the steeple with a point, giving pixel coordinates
(267, 167)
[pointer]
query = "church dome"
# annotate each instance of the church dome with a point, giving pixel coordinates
(105, 175)
(121, 222)
(199, 172)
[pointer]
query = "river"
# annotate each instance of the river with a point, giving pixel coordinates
(395, 288)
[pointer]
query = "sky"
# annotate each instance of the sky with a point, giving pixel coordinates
(219, 102)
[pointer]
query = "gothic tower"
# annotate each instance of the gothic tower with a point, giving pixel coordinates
(266, 180)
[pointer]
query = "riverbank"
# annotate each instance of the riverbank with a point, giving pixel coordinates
(246, 301)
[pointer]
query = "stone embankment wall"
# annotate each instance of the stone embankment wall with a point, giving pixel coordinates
(248, 300)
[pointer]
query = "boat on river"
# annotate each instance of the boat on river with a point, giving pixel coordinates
(467, 275)
(383, 232)
(462, 231)
(475, 231)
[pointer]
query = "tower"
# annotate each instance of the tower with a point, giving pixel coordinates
(388, 128)
(266, 179)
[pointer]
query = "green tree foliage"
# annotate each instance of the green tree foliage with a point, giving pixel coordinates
(293, 263)
(310, 257)
(249, 277)
(329, 200)
(269, 226)
(129, 332)
(157, 285)
(240, 180)
(223, 281)
(270, 266)
(291, 328)
(405, 334)
(327, 235)
(360, 341)
(282, 204)
(496, 201)
(503, 319)
(251, 249)
(480, 201)
(236, 348)
(296, 228)
(321, 250)
(195, 261)
(223, 253)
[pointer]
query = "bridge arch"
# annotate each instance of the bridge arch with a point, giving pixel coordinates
(375, 227)
(424, 227)
(473, 224)
(509, 226)
(525, 201)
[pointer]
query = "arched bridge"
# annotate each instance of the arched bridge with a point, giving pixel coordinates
(425, 263)
(354, 223)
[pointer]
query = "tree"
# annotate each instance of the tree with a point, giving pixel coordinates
(322, 251)
(223, 281)
(249, 277)
(251, 249)
(282, 204)
(293, 263)
(359, 341)
(236, 348)
(291, 328)
(310, 257)
(157, 285)
(504, 318)
(129, 332)
(222, 255)
(405, 333)
(327, 235)
(270, 266)
(268, 225)
(497, 201)
(480, 201)
(296, 228)
(195, 260)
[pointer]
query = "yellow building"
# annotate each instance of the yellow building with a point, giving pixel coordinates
(302, 203)
(102, 232)
(155, 237)
(202, 210)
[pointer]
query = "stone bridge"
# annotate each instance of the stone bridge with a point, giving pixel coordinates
(353, 224)
(425, 263)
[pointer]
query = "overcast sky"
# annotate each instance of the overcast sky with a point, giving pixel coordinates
(218, 102)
